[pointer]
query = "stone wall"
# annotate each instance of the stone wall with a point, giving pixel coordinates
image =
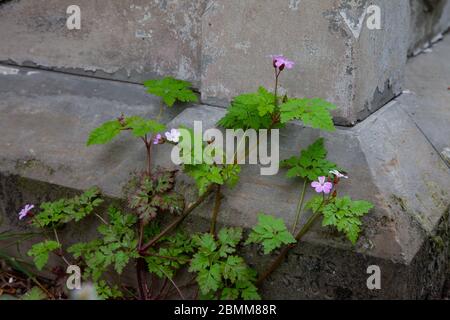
(223, 47)
(429, 19)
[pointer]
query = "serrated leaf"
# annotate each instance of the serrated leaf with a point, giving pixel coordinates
(41, 251)
(345, 215)
(311, 163)
(105, 133)
(141, 127)
(271, 233)
(229, 294)
(35, 293)
(250, 111)
(210, 279)
(250, 293)
(171, 90)
(313, 112)
(67, 210)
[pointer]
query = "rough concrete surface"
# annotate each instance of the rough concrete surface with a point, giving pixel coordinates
(358, 71)
(223, 47)
(428, 96)
(46, 118)
(429, 19)
(123, 39)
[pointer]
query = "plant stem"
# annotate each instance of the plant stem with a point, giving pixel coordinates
(141, 278)
(277, 75)
(217, 203)
(299, 207)
(276, 263)
(101, 219)
(60, 247)
(174, 284)
(174, 224)
(148, 147)
(140, 266)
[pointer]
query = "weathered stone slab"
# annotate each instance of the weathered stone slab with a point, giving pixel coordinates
(121, 39)
(359, 70)
(429, 19)
(46, 118)
(428, 95)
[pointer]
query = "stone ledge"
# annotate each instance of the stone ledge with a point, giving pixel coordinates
(390, 163)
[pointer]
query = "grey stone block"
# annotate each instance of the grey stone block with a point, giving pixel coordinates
(46, 118)
(428, 94)
(221, 46)
(126, 40)
(429, 19)
(358, 72)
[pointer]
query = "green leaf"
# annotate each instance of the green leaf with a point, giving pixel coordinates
(345, 215)
(67, 210)
(141, 127)
(229, 294)
(104, 291)
(311, 164)
(313, 112)
(315, 203)
(41, 251)
(229, 239)
(204, 175)
(234, 268)
(34, 294)
(206, 243)
(250, 111)
(105, 133)
(271, 233)
(230, 174)
(174, 252)
(210, 279)
(155, 195)
(116, 247)
(250, 293)
(171, 90)
(218, 268)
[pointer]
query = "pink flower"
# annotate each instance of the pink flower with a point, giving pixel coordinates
(158, 139)
(338, 174)
(281, 62)
(173, 135)
(322, 186)
(25, 211)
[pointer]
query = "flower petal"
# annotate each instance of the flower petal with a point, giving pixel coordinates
(315, 184)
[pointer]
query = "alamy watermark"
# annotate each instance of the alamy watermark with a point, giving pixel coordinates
(236, 147)
(74, 19)
(374, 281)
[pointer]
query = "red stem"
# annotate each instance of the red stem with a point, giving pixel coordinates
(174, 224)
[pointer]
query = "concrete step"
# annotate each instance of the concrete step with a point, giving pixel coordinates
(223, 47)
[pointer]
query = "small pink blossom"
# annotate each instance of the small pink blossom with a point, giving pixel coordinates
(338, 174)
(173, 135)
(322, 186)
(281, 62)
(158, 139)
(25, 211)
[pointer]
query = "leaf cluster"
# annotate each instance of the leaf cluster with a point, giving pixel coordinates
(220, 272)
